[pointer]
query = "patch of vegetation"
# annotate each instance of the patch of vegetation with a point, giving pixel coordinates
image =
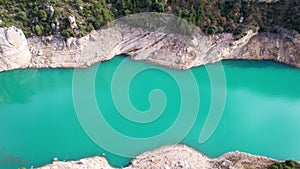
(289, 164)
(35, 17)
(212, 16)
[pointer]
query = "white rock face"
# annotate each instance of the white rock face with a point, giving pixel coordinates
(153, 41)
(14, 52)
(50, 10)
(88, 163)
(163, 47)
(72, 21)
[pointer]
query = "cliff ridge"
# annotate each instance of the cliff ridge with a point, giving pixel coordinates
(179, 50)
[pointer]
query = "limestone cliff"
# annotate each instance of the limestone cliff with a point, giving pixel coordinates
(167, 48)
(283, 47)
(162, 48)
(14, 52)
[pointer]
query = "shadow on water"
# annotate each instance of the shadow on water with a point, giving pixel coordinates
(255, 64)
(264, 77)
(18, 86)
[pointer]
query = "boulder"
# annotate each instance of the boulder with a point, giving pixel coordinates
(50, 10)
(72, 21)
(14, 52)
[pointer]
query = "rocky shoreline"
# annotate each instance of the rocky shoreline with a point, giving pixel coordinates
(177, 50)
(172, 157)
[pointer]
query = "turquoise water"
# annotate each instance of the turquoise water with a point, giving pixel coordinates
(38, 120)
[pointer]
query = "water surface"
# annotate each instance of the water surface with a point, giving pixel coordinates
(38, 119)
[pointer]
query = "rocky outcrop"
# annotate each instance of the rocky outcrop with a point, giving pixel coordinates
(277, 47)
(57, 52)
(87, 163)
(50, 10)
(161, 48)
(174, 157)
(14, 51)
(72, 22)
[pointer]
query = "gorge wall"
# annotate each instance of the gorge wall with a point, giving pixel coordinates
(171, 49)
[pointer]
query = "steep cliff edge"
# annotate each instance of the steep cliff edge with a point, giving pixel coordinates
(172, 49)
(283, 47)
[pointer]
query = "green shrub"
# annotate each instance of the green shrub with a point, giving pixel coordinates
(90, 27)
(290, 163)
(274, 167)
(26, 33)
(21, 16)
(38, 30)
(239, 30)
(65, 33)
(212, 29)
(158, 7)
(42, 15)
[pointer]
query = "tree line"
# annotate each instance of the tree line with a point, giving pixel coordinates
(212, 16)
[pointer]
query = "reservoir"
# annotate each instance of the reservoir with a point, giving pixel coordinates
(254, 108)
